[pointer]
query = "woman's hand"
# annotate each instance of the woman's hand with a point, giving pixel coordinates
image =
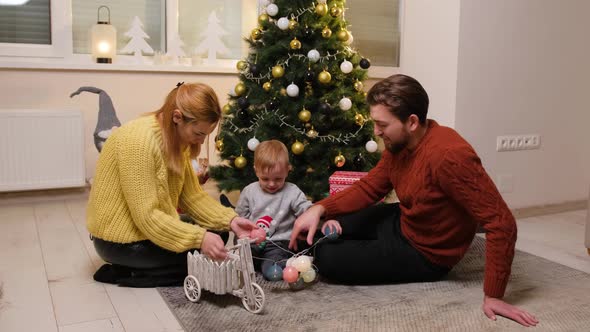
(241, 227)
(213, 246)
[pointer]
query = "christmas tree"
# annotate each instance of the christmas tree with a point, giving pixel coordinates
(302, 84)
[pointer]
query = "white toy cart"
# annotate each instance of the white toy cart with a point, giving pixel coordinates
(235, 275)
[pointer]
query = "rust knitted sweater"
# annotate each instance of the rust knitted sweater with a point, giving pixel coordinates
(444, 194)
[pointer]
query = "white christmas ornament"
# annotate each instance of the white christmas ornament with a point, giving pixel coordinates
(345, 104)
(137, 44)
(232, 92)
(253, 143)
(212, 43)
(264, 3)
(283, 23)
(292, 90)
(371, 146)
(272, 9)
(346, 66)
(313, 55)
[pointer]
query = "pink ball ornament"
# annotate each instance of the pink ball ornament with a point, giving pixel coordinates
(290, 274)
(258, 234)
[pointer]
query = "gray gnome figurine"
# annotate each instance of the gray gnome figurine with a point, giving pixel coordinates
(107, 117)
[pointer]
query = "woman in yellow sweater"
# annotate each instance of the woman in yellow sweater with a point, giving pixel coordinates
(143, 174)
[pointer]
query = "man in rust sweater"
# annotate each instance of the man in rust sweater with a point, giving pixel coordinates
(444, 193)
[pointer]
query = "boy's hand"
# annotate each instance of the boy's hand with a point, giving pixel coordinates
(242, 227)
(333, 225)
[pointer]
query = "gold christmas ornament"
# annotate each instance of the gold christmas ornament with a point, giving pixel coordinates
(295, 44)
(240, 162)
(308, 125)
(293, 24)
(283, 92)
(278, 71)
(335, 11)
(266, 86)
(297, 148)
(240, 89)
(226, 109)
(321, 9)
(263, 20)
(359, 119)
(312, 133)
(326, 32)
(342, 35)
(310, 170)
(219, 145)
(256, 34)
(241, 65)
(304, 115)
(324, 77)
(358, 86)
(339, 160)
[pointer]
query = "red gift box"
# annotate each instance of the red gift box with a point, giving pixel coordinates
(341, 180)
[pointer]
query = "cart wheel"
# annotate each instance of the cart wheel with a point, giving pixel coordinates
(192, 288)
(258, 303)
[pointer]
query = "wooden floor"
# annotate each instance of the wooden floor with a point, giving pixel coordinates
(47, 261)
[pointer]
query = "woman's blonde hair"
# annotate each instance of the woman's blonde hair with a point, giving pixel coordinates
(197, 102)
(270, 154)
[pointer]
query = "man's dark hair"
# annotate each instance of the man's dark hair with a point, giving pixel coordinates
(402, 95)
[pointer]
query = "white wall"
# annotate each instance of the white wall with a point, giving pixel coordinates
(133, 93)
(523, 69)
(430, 38)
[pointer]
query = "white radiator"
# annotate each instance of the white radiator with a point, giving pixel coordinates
(41, 149)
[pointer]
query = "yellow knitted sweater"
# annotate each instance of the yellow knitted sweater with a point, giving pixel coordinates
(134, 195)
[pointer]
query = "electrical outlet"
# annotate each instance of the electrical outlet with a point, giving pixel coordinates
(518, 142)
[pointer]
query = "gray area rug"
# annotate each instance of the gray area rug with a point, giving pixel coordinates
(558, 295)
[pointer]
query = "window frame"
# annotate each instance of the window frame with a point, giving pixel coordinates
(59, 55)
(61, 32)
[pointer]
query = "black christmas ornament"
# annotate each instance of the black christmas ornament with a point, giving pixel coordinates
(309, 75)
(324, 107)
(254, 69)
(358, 162)
(365, 63)
(243, 103)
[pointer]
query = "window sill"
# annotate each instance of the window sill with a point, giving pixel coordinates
(127, 63)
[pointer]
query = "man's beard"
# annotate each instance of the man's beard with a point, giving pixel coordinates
(398, 146)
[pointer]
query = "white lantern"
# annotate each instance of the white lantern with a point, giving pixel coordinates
(345, 104)
(371, 146)
(293, 90)
(253, 143)
(283, 23)
(272, 9)
(346, 66)
(103, 38)
(313, 55)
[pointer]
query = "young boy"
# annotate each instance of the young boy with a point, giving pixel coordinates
(274, 203)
